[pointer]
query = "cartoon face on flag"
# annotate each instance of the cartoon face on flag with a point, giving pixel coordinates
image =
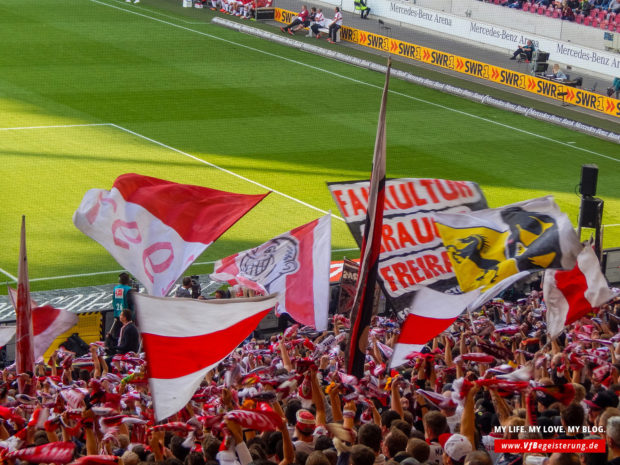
(270, 261)
(294, 264)
(487, 246)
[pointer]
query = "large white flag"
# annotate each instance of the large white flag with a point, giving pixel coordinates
(294, 264)
(185, 338)
(154, 228)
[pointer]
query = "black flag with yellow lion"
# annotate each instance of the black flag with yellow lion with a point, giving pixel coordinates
(487, 246)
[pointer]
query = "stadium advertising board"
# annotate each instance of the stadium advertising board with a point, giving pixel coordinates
(539, 86)
(412, 253)
(497, 36)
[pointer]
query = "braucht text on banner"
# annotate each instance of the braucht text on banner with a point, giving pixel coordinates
(412, 252)
(175, 333)
(488, 246)
(154, 228)
(294, 264)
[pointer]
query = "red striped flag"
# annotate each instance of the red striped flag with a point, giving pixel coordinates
(24, 347)
(361, 312)
(569, 295)
(431, 313)
(294, 264)
(185, 338)
(54, 452)
(156, 228)
(47, 323)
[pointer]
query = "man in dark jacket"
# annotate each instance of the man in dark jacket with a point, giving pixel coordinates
(129, 338)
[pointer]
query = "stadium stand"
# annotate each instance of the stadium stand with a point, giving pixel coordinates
(580, 12)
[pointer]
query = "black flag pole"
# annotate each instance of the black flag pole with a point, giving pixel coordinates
(371, 244)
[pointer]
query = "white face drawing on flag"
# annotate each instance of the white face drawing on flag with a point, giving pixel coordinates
(128, 231)
(294, 264)
(271, 261)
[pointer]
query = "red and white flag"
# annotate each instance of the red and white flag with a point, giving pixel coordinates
(54, 452)
(47, 323)
(294, 264)
(96, 460)
(430, 314)
(569, 295)
(154, 228)
(185, 338)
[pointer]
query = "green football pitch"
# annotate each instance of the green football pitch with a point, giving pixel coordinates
(91, 89)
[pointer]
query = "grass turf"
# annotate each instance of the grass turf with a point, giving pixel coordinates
(280, 117)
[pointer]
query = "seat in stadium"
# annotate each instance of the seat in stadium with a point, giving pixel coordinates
(587, 21)
(604, 24)
(601, 15)
(526, 6)
(541, 10)
(557, 13)
(579, 18)
(594, 12)
(595, 22)
(549, 11)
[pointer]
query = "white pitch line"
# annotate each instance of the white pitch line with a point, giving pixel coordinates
(232, 173)
(55, 126)
(98, 273)
(342, 76)
(8, 274)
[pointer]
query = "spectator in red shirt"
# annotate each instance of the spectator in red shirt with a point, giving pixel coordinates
(300, 19)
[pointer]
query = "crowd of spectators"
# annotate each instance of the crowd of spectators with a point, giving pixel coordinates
(601, 13)
(445, 405)
(314, 21)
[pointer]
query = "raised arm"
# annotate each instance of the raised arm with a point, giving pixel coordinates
(286, 360)
(395, 403)
(334, 400)
(317, 398)
(468, 420)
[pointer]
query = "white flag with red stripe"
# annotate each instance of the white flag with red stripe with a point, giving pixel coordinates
(156, 228)
(185, 338)
(47, 323)
(431, 313)
(294, 264)
(569, 295)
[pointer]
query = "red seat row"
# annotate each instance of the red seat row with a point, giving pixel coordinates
(597, 18)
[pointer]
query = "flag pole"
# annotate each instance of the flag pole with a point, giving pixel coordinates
(24, 348)
(371, 245)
